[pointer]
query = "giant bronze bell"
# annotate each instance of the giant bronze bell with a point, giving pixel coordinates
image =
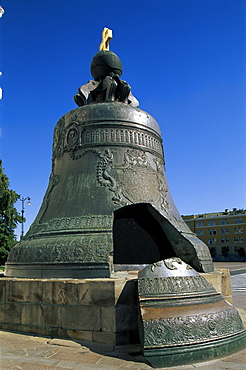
(108, 204)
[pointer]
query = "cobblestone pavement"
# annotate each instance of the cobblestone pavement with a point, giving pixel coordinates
(25, 352)
(234, 267)
(238, 283)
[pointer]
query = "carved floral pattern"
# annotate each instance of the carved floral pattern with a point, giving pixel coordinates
(71, 249)
(190, 329)
(173, 284)
(161, 183)
(83, 222)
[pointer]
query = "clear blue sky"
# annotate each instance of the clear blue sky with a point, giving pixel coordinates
(185, 61)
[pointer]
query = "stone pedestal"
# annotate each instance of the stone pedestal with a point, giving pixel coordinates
(97, 310)
(220, 279)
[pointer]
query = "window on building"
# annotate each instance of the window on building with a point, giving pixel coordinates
(224, 221)
(224, 231)
(238, 230)
(224, 240)
(211, 232)
(238, 239)
(236, 249)
(199, 223)
(212, 241)
(238, 220)
(211, 222)
(188, 223)
(199, 232)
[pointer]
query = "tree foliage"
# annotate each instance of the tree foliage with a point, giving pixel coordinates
(241, 252)
(212, 252)
(225, 252)
(9, 217)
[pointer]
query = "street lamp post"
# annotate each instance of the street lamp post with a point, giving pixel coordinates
(22, 213)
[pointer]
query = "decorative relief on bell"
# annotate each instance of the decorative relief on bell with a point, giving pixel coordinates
(78, 135)
(85, 222)
(192, 329)
(174, 284)
(72, 135)
(69, 250)
(123, 178)
(54, 180)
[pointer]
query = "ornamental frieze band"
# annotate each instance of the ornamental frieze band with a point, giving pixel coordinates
(89, 222)
(173, 284)
(77, 136)
(175, 331)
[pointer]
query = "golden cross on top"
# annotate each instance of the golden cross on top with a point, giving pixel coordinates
(107, 35)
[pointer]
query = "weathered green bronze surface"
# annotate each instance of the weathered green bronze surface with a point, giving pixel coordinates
(107, 179)
(182, 318)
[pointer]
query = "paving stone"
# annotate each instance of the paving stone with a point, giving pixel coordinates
(11, 364)
(18, 352)
(40, 352)
(125, 360)
(32, 360)
(239, 357)
(66, 354)
(7, 364)
(28, 344)
(98, 347)
(136, 366)
(82, 366)
(76, 357)
(221, 366)
(31, 366)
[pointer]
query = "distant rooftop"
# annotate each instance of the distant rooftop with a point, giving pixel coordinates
(226, 212)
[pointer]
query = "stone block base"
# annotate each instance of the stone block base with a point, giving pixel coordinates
(220, 279)
(96, 310)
